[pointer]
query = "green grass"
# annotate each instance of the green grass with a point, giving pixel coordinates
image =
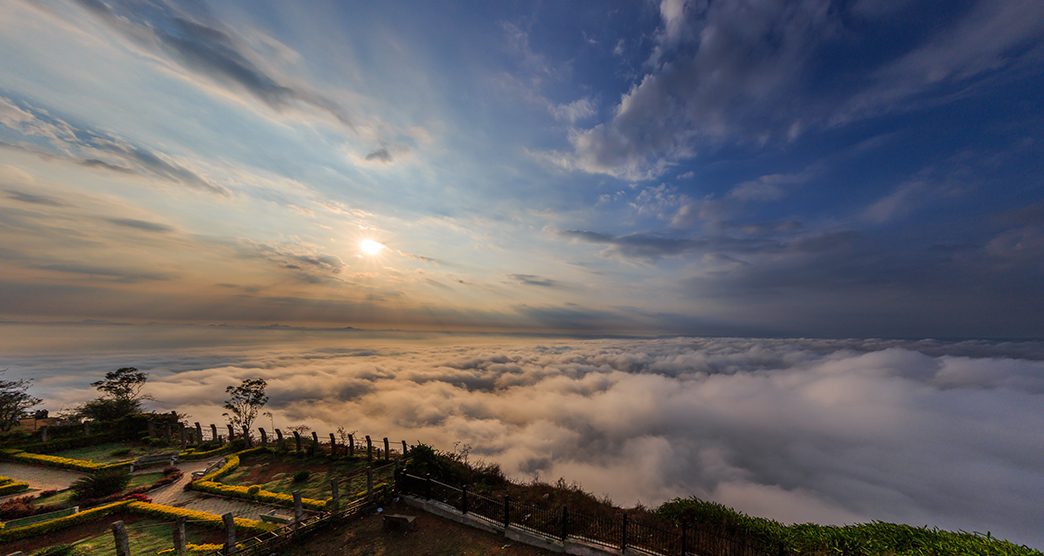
(322, 470)
(62, 499)
(146, 536)
(106, 452)
(144, 479)
(22, 522)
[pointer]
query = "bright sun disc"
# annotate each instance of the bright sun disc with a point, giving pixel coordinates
(371, 247)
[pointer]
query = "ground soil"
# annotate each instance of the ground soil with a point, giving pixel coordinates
(434, 536)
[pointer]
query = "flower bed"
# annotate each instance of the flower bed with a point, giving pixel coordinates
(209, 483)
(10, 486)
(57, 461)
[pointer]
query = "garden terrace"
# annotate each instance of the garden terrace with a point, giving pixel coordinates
(147, 535)
(274, 471)
(111, 452)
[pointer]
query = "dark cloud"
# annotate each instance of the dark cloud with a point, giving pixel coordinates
(92, 148)
(534, 280)
(123, 276)
(34, 199)
(650, 247)
(142, 225)
(380, 154)
(206, 48)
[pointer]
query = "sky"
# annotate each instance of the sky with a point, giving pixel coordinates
(926, 432)
(805, 168)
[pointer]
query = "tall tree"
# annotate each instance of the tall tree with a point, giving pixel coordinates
(121, 395)
(244, 401)
(14, 400)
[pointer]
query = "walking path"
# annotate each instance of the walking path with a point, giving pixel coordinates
(38, 477)
(175, 494)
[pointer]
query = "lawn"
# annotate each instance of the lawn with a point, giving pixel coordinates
(64, 498)
(110, 452)
(275, 472)
(147, 536)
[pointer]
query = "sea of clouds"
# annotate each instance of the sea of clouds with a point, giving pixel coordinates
(945, 434)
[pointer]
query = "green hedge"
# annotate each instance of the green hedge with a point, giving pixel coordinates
(208, 483)
(58, 461)
(44, 527)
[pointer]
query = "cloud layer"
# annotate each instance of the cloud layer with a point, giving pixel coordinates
(937, 433)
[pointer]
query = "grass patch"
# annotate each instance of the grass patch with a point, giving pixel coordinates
(110, 452)
(275, 472)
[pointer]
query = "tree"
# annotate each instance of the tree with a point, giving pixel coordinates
(14, 400)
(122, 395)
(244, 401)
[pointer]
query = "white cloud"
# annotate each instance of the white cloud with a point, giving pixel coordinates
(945, 434)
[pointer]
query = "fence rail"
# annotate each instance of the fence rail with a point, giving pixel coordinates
(618, 533)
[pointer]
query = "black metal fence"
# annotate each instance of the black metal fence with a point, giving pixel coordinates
(620, 532)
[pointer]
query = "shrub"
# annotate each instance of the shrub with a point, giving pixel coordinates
(302, 476)
(22, 506)
(48, 492)
(43, 527)
(120, 452)
(12, 487)
(136, 497)
(55, 550)
(100, 485)
(253, 490)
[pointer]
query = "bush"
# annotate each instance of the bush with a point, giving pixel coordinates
(22, 506)
(120, 453)
(100, 485)
(253, 490)
(55, 550)
(136, 497)
(43, 527)
(302, 476)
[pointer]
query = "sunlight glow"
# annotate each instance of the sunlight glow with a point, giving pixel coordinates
(371, 247)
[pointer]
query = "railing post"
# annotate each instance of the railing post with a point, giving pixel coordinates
(351, 445)
(427, 486)
(464, 499)
(564, 532)
(623, 537)
(385, 448)
(230, 533)
(231, 432)
(507, 512)
(298, 510)
(369, 448)
(246, 437)
(119, 533)
(685, 538)
(333, 446)
(404, 449)
(213, 432)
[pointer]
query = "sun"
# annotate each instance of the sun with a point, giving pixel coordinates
(371, 247)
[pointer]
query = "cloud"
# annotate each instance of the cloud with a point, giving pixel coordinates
(380, 154)
(739, 73)
(92, 148)
(572, 112)
(34, 199)
(209, 49)
(534, 280)
(306, 263)
(923, 432)
(105, 273)
(142, 225)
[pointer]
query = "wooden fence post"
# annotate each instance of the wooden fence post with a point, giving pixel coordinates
(199, 432)
(333, 446)
(213, 432)
(119, 533)
(369, 448)
(298, 512)
(404, 449)
(351, 445)
(230, 533)
(264, 436)
(385, 448)
(297, 441)
(369, 481)
(179, 537)
(315, 443)
(281, 444)
(231, 432)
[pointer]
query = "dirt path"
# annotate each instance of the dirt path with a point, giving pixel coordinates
(38, 477)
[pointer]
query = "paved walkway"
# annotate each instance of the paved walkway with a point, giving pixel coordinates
(175, 494)
(39, 477)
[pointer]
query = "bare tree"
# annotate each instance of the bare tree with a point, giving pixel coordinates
(14, 400)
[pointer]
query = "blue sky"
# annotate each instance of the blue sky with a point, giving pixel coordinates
(743, 168)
